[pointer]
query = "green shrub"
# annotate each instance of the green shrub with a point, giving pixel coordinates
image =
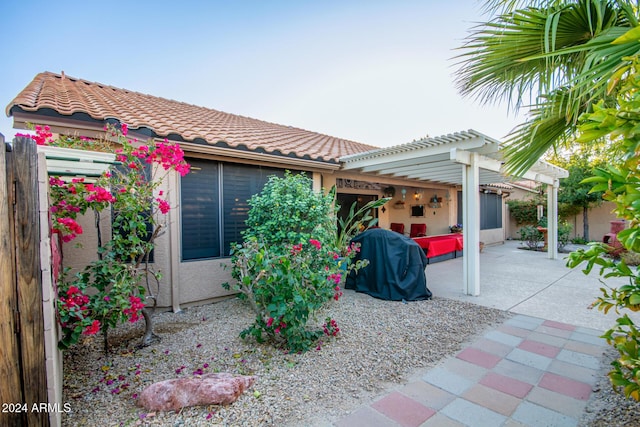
(287, 211)
(288, 267)
(564, 233)
(523, 211)
(531, 236)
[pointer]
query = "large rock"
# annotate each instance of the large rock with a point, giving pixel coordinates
(208, 389)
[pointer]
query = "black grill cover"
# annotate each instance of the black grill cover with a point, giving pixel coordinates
(396, 267)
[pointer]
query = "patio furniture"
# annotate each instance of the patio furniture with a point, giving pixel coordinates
(437, 247)
(397, 227)
(396, 267)
(418, 230)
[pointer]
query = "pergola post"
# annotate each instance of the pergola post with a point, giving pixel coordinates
(552, 219)
(471, 224)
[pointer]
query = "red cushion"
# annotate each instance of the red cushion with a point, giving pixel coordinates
(418, 230)
(397, 227)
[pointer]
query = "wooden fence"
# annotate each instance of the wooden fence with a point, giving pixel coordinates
(23, 376)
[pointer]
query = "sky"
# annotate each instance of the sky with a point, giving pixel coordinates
(379, 72)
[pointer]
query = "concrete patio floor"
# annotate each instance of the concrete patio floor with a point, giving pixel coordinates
(529, 283)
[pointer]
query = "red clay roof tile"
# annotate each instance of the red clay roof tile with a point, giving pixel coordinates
(67, 95)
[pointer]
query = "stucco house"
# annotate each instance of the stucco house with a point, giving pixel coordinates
(232, 156)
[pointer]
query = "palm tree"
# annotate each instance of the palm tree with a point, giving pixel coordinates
(557, 55)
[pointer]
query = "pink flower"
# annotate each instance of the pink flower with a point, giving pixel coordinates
(335, 277)
(55, 181)
(124, 128)
(315, 243)
(269, 322)
(134, 311)
(163, 205)
(93, 328)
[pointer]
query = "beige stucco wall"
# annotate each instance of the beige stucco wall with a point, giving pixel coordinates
(437, 219)
(600, 218)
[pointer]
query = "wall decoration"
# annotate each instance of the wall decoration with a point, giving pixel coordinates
(417, 210)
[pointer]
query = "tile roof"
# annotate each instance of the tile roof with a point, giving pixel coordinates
(67, 96)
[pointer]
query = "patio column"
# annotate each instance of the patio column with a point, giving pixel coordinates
(471, 226)
(552, 219)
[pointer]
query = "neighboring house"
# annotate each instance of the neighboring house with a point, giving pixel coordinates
(231, 158)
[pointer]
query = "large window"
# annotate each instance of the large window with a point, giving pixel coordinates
(490, 210)
(214, 205)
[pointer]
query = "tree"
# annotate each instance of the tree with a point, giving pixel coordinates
(573, 190)
(111, 289)
(558, 54)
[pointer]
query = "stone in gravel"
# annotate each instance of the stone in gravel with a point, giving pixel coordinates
(208, 389)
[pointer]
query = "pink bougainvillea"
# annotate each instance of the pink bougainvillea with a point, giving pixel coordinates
(108, 290)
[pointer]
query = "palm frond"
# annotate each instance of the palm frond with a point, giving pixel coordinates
(562, 53)
(548, 124)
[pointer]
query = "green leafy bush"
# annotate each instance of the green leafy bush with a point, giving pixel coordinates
(531, 236)
(286, 290)
(620, 183)
(288, 267)
(287, 211)
(523, 211)
(579, 241)
(564, 234)
(355, 222)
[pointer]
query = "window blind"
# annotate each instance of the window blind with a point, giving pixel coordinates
(200, 211)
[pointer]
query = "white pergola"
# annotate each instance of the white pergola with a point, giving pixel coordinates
(469, 159)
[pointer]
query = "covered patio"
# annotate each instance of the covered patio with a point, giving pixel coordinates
(469, 159)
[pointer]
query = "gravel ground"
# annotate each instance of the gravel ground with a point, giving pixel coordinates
(606, 408)
(381, 344)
